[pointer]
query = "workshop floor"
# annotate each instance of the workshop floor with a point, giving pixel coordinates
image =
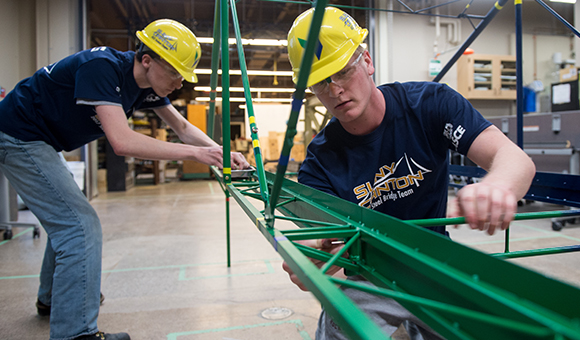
(165, 274)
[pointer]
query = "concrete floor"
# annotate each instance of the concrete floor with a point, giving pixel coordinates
(165, 273)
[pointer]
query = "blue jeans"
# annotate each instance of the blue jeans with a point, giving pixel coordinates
(70, 277)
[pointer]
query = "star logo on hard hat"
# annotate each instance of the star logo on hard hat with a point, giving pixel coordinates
(318, 51)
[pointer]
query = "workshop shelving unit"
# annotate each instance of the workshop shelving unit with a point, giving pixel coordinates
(481, 76)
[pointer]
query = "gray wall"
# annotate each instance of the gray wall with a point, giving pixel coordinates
(36, 33)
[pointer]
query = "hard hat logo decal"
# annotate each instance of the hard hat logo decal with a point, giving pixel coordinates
(318, 51)
(167, 42)
(196, 60)
(348, 21)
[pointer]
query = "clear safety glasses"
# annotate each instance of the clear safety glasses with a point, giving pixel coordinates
(340, 78)
(171, 72)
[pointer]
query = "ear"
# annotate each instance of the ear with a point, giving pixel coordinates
(369, 63)
(146, 61)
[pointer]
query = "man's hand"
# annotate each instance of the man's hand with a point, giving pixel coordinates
(239, 161)
(213, 155)
(210, 155)
(321, 244)
(485, 206)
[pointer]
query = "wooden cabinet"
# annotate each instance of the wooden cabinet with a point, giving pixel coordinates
(481, 76)
(196, 115)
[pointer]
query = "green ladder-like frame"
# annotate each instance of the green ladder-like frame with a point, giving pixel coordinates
(458, 291)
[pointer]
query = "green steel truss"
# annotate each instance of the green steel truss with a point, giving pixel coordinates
(458, 291)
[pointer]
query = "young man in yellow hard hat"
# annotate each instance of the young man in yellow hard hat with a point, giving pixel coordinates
(381, 136)
(68, 104)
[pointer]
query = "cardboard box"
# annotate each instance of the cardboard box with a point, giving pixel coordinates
(273, 150)
(568, 74)
(161, 134)
(241, 145)
(193, 167)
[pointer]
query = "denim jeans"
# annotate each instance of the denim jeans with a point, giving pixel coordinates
(70, 277)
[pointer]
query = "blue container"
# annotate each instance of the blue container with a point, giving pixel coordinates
(529, 100)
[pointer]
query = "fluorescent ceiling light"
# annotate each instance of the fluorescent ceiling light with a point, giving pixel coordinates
(255, 42)
(565, 1)
(250, 72)
(252, 89)
(281, 42)
(243, 100)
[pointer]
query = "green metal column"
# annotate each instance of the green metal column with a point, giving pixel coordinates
(227, 169)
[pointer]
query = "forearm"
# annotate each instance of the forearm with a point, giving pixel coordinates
(192, 135)
(137, 145)
(511, 169)
(508, 166)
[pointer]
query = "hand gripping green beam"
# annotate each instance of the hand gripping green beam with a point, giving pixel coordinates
(411, 260)
(517, 217)
(462, 293)
(303, 75)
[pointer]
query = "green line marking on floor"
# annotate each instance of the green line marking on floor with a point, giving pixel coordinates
(183, 276)
(556, 233)
(298, 323)
(181, 267)
(17, 235)
(210, 187)
(19, 277)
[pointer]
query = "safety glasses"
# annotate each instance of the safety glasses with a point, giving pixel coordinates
(171, 72)
(340, 78)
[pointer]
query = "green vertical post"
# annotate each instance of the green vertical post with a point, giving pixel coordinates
(228, 243)
(222, 7)
(224, 21)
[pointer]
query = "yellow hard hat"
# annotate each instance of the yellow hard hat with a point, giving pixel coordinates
(175, 43)
(339, 37)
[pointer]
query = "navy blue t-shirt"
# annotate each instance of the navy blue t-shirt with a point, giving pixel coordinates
(57, 104)
(401, 168)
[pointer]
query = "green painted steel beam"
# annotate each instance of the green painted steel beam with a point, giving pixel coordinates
(215, 55)
(460, 292)
(537, 252)
(352, 320)
(249, 105)
(305, 66)
(517, 217)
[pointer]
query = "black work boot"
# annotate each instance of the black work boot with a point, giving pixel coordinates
(44, 310)
(105, 336)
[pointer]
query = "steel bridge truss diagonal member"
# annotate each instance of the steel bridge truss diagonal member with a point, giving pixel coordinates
(458, 291)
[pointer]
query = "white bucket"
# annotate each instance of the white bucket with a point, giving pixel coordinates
(78, 171)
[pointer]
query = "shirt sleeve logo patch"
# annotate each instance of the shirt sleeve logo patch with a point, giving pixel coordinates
(454, 135)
